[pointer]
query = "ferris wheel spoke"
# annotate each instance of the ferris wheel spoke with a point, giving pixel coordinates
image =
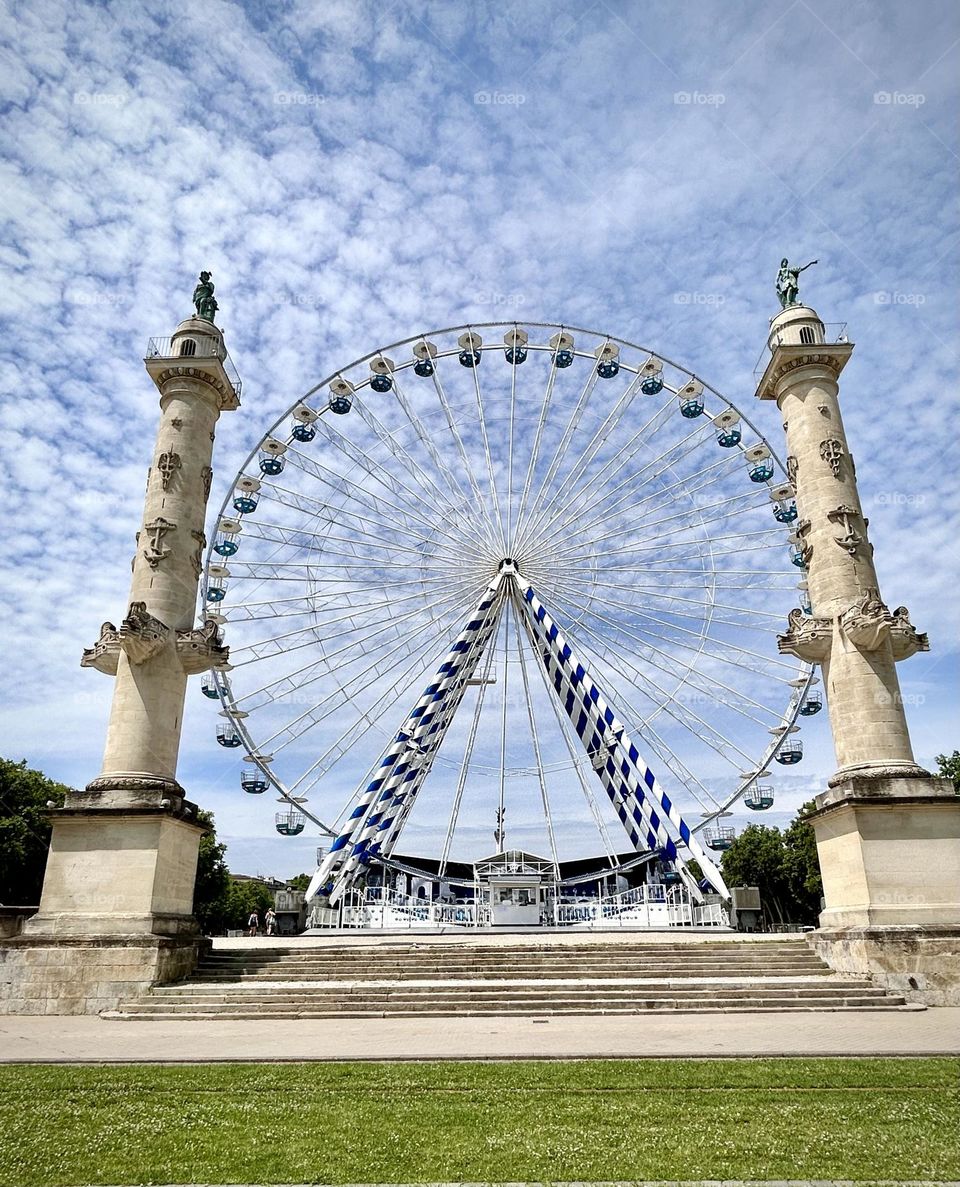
(370, 719)
(662, 496)
(360, 543)
(686, 667)
(346, 515)
(283, 684)
(465, 762)
(702, 637)
(488, 457)
(593, 447)
(585, 600)
(426, 441)
(749, 612)
(455, 434)
(538, 437)
(719, 512)
(307, 603)
(275, 644)
(568, 511)
(313, 716)
(510, 452)
(406, 514)
(538, 761)
(504, 700)
(571, 427)
(471, 524)
(342, 484)
(771, 620)
(565, 727)
(711, 736)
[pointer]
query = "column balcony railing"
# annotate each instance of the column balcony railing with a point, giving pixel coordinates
(204, 346)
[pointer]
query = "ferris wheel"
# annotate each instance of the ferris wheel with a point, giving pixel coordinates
(519, 579)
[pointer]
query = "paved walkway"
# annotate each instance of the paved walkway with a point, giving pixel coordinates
(934, 1031)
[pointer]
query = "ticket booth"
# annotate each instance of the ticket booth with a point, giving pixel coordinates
(516, 887)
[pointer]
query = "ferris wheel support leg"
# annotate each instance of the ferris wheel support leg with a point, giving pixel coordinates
(642, 805)
(385, 803)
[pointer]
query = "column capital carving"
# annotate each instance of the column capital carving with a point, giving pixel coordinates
(868, 623)
(807, 637)
(201, 649)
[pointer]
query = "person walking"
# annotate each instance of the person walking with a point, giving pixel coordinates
(270, 920)
(253, 924)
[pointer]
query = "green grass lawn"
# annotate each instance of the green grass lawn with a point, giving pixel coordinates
(436, 1122)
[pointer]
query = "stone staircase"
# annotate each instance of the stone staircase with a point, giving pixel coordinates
(328, 979)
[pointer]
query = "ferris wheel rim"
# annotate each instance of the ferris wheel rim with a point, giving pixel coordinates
(805, 671)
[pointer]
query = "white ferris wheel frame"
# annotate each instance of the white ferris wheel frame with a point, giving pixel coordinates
(805, 673)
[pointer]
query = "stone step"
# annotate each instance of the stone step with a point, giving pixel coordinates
(145, 1011)
(457, 978)
(469, 952)
(419, 958)
(448, 994)
(492, 988)
(429, 972)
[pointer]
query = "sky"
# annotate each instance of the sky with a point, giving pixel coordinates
(353, 174)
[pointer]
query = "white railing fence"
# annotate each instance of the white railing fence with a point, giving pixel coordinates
(653, 906)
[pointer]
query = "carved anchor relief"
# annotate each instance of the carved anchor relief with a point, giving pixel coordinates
(168, 464)
(155, 551)
(851, 538)
(197, 558)
(806, 548)
(832, 453)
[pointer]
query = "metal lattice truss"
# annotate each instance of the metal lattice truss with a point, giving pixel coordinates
(650, 819)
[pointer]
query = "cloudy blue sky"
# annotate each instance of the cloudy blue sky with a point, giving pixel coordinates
(355, 173)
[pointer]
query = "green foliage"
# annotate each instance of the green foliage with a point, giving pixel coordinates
(244, 897)
(783, 865)
(221, 901)
(24, 831)
(300, 882)
(948, 765)
(213, 880)
(445, 1121)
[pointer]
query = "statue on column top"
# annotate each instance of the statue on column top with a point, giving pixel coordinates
(788, 288)
(204, 299)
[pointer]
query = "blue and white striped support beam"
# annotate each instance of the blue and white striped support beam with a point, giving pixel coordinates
(643, 806)
(406, 762)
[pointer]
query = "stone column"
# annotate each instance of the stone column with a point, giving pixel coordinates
(888, 833)
(850, 631)
(143, 737)
(117, 902)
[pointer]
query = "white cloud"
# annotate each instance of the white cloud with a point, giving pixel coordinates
(377, 198)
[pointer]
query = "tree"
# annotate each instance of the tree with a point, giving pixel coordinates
(802, 866)
(783, 865)
(756, 859)
(24, 831)
(213, 879)
(949, 767)
(243, 897)
(300, 882)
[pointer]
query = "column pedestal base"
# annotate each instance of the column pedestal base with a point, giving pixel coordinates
(889, 851)
(921, 963)
(116, 914)
(89, 974)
